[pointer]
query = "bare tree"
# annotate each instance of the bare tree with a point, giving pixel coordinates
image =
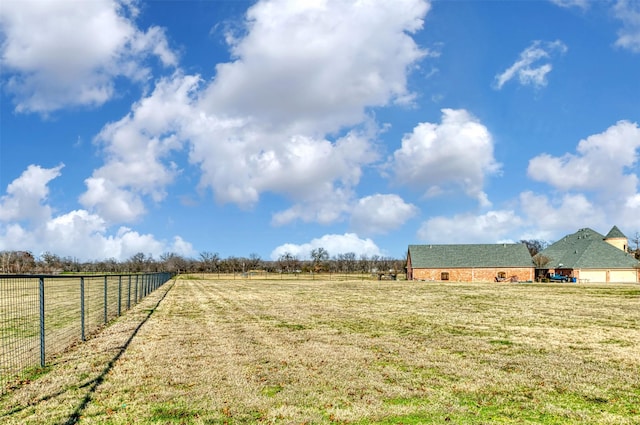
(319, 256)
(210, 261)
(534, 245)
(254, 262)
(288, 263)
(636, 241)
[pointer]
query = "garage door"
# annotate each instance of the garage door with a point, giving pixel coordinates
(624, 276)
(593, 275)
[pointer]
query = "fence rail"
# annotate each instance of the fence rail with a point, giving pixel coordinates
(43, 315)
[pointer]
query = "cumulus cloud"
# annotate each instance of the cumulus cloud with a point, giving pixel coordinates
(532, 66)
(561, 215)
(60, 53)
(458, 152)
(302, 71)
(267, 122)
(333, 244)
(380, 214)
(628, 11)
(25, 196)
(602, 168)
(28, 222)
(316, 66)
(490, 227)
(601, 164)
(288, 115)
(135, 147)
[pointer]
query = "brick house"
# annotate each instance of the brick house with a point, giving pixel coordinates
(470, 263)
(588, 256)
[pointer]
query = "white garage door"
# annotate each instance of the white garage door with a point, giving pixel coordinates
(593, 275)
(624, 276)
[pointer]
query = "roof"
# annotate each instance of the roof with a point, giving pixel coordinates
(615, 233)
(587, 249)
(469, 256)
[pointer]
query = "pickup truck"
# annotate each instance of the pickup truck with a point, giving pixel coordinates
(558, 278)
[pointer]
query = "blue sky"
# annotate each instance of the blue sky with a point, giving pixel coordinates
(279, 126)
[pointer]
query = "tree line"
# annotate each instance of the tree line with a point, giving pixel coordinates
(318, 261)
(24, 262)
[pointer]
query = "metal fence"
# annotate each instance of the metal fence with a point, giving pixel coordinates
(42, 316)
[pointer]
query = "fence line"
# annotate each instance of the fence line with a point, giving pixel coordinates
(43, 315)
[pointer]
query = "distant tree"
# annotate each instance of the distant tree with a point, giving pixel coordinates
(288, 263)
(209, 261)
(534, 245)
(136, 263)
(172, 262)
(319, 256)
(364, 264)
(541, 261)
(254, 262)
(51, 262)
(635, 239)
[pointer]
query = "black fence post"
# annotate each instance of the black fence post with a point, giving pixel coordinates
(82, 308)
(42, 336)
(105, 299)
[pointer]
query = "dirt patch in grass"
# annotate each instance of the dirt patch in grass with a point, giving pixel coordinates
(241, 352)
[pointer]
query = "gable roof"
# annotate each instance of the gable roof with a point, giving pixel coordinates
(469, 256)
(587, 249)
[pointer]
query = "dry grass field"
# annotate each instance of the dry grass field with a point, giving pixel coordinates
(361, 352)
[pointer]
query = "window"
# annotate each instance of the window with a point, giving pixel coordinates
(444, 276)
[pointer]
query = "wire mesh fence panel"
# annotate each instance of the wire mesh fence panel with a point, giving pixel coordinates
(42, 316)
(62, 323)
(93, 304)
(111, 297)
(20, 324)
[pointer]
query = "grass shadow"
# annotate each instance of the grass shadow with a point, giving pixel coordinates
(95, 383)
(90, 385)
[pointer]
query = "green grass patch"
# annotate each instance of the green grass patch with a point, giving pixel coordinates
(174, 413)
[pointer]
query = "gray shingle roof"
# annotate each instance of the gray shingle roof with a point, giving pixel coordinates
(470, 255)
(615, 233)
(586, 249)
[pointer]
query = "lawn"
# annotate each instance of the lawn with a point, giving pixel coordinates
(360, 352)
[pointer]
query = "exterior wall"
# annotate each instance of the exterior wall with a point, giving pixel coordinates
(473, 275)
(620, 243)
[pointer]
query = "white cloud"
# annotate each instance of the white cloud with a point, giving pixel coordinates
(602, 164)
(491, 227)
(532, 67)
(333, 244)
(580, 4)
(457, 152)
(380, 214)
(26, 194)
(563, 215)
(61, 53)
(328, 64)
(602, 168)
(324, 62)
(135, 147)
(27, 222)
(628, 11)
